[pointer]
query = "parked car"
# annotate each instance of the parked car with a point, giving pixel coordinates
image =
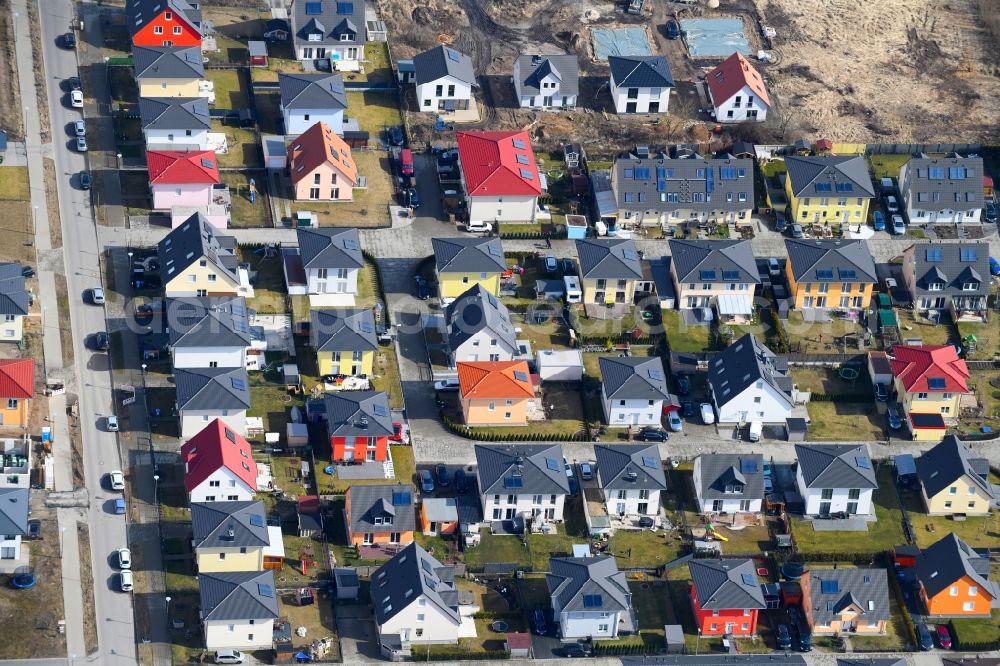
(423, 289)
(69, 41)
(891, 204)
(125, 580)
(924, 637)
(34, 529)
(426, 481)
(780, 221)
(27, 271)
(120, 506)
(79, 128)
(567, 467)
(538, 622)
(990, 211)
(550, 263)
(81, 144)
(805, 640)
(406, 162)
(756, 431)
(783, 637)
(461, 481)
(673, 30)
(773, 267)
(76, 98)
(796, 231)
(397, 432)
(651, 434)
(70, 84)
(111, 423)
(898, 226)
(442, 476)
(124, 558)
(395, 135)
(707, 413)
(878, 220)
(116, 480)
(683, 384)
(85, 180)
(674, 421)
(892, 415)
(446, 384)
(994, 267)
(881, 392)
(409, 198)
(229, 657)
(101, 341)
(97, 296)
(479, 227)
(567, 266)
(688, 409)
(576, 651)
(586, 471)
(944, 637)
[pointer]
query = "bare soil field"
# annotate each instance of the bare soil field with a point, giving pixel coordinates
(11, 118)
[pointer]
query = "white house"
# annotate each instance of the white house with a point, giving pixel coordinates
(500, 176)
(546, 81)
(631, 476)
(206, 394)
(748, 386)
(14, 522)
(737, 91)
(330, 32)
(327, 265)
(942, 190)
(640, 84)
(479, 328)
(590, 598)
(175, 123)
(219, 465)
(729, 482)
(444, 79)
(834, 478)
(307, 99)
(208, 332)
(13, 302)
(238, 609)
(633, 389)
(519, 482)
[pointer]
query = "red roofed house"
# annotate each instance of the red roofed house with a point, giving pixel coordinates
(737, 91)
(17, 386)
(219, 465)
(321, 165)
(179, 178)
(500, 175)
(163, 22)
(929, 379)
(495, 393)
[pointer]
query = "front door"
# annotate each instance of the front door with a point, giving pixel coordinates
(630, 107)
(729, 627)
(620, 508)
(433, 527)
(369, 539)
(635, 418)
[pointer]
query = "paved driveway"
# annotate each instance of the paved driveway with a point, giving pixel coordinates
(356, 629)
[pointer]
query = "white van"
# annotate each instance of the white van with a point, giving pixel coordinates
(478, 227)
(756, 429)
(228, 657)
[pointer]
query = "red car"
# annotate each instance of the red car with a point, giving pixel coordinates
(397, 432)
(944, 638)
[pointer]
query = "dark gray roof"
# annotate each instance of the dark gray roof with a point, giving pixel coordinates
(726, 584)
(331, 20)
(140, 12)
(961, 176)
(248, 595)
(722, 470)
(229, 524)
(626, 466)
(633, 378)
(443, 61)
(329, 247)
(740, 366)
(520, 469)
(725, 260)
(194, 240)
(358, 414)
(953, 265)
(534, 68)
(608, 258)
(836, 465)
(407, 576)
(829, 176)
(833, 590)
(202, 389)
(208, 322)
(313, 91)
(468, 255)
(13, 295)
(849, 261)
(174, 113)
(657, 182)
(14, 511)
(168, 62)
(587, 584)
(476, 310)
(948, 560)
(394, 501)
(342, 329)
(949, 461)
(640, 71)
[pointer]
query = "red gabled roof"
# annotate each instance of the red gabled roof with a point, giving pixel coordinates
(17, 378)
(178, 167)
(731, 75)
(213, 448)
(494, 379)
(498, 164)
(917, 366)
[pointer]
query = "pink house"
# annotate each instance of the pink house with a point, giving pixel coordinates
(179, 178)
(321, 165)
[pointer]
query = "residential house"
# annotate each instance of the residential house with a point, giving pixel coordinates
(210, 332)
(652, 188)
(14, 302)
(168, 71)
(520, 482)
(591, 598)
(439, 516)
(205, 394)
(382, 515)
(640, 84)
(845, 601)
(163, 23)
(835, 478)
(175, 123)
(726, 596)
(829, 189)
(219, 465)
(729, 482)
(609, 270)
(749, 383)
(633, 390)
(13, 525)
(321, 166)
(546, 81)
(358, 425)
(737, 92)
(444, 79)
(462, 263)
(327, 263)
(344, 340)
(479, 327)
(182, 178)
(499, 175)
(231, 536)
(238, 610)
(196, 260)
(495, 393)
(953, 481)
(951, 277)
(308, 99)
(721, 274)
(631, 477)
(830, 274)
(331, 30)
(17, 387)
(942, 190)
(955, 580)
(929, 379)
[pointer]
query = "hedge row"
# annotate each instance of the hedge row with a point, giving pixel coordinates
(622, 646)
(465, 431)
(379, 286)
(911, 630)
(455, 653)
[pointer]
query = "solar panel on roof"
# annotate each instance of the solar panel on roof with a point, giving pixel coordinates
(257, 520)
(495, 250)
(968, 254)
(380, 410)
(730, 276)
(748, 465)
(345, 8)
(649, 461)
(631, 255)
(526, 174)
(830, 586)
(863, 462)
(518, 143)
(513, 482)
(521, 159)
(520, 376)
(401, 498)
(824, 187)
(848, 274)
(824, 274)
(845, 187)
(265, 590)
(351, 244)
(656, 374)
(239, 384)
(452, 55)
(314, 8)
(936, 383)
(934, 254)
(706, 276)
(592, 601)
(748, 579)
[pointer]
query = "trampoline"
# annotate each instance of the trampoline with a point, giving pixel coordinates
(23, 578)
(848, 373)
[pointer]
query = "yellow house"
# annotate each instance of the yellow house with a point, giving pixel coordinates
(609, 270)
(168, 71)
(461, 263)
(929, 379)
(953, 481)
(830, 274)
(846, 601)
(344, 340)
(196, 260)
(17, 386)
(495, 393)
(830, 190)
(232, 536)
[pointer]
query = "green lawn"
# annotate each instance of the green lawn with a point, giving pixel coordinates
(971, 632)
(269, 287)
(497, 549)
(977, 531)
(374, 111)
(545, 546)
(377, 65)
(244, 213)
(988, 395)
(773, 168)
(642, 548)
(818, 337)
(888, 165)
(180, 576)
(829, 381)
(243, 147)
(369, 207)
(387, 376)
(844, 422)
(684, 338)
(230, 91)
(14, 183)
(565, 418)
(912, 325)
(653, 610)
(987, 337)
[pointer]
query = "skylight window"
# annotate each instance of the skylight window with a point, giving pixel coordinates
(845, 187)
(519, 143)
(345, 8)
(314, 8)
(257, 520)
(527, 175)
(239, 384)
(936, 383)
(824, 187)
(366, 327)
(968, 254)
(520, 376)
(934, 254)
(522, 159)
(935, 173)
(380, 410)
(592, 601)
(552, 464)
(453, 55)
(513, 482)
(649, 461)
(265, 590)
(631, 255)
(956, 173)
(830, 586)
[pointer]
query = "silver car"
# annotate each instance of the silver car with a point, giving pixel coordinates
(80, 128)
(81, 144)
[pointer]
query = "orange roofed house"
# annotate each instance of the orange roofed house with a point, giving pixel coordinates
(17, 384)
(321, 165)
(495, 392)
(383, 515)
(737, 91)
(163, 22)
(930, 381)
(954, 580)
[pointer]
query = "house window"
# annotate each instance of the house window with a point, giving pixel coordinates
(969, 606)
(953, 591)
(552, 499)
(854, 493)
(177, 30)
(921, 396)
(973, 590)
(602, 628)
(536, 499)
(954, 489)
(419, 632)
(168, 16)
(158, 30)
(316, 177)
(827, 494)
(11, 403)
(972, 504)
(947, 504)
(492, 406)
(420, 617)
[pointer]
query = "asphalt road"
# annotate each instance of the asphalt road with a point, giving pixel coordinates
(116, 633)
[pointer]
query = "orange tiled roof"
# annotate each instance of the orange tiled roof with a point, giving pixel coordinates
(17, 378)
(495, 379)
(317, 145)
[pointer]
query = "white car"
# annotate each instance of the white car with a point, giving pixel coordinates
(898, 226)
(125, 580)
(80, 128)
(707, 413)
(124, 558)
(674, 421)
(773, 267)
(117, 479)
(111, 423)
(97, 296)
(76, 99)
(479, 227)
(891, 204)
(446, 385)
(567, 467)
(229, 657)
